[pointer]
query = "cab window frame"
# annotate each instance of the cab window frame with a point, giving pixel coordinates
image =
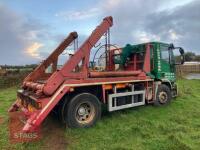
(165, 53)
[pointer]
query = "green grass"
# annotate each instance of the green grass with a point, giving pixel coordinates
(175, 126)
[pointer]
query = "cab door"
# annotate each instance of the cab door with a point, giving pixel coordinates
(167, 70)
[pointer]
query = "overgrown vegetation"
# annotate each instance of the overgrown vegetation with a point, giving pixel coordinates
(189, 56)
(12, 79)
(173, 127)
(13, 75)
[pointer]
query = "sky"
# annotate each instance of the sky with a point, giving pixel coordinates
(32, 29)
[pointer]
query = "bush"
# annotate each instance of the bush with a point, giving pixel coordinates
(12, 79)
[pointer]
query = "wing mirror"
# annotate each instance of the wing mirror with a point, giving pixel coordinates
(181, 50)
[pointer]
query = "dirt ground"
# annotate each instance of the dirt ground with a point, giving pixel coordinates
(1, 120)
(54, 133)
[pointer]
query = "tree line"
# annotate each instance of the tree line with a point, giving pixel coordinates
(18, 67)
(189, 56)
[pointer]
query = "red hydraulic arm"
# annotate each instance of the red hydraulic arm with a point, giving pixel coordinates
(82, 54)
(66, 72)
(52, 59)
(58, 83)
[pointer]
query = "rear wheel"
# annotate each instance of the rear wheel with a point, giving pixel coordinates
(163, 96)
(82, 111)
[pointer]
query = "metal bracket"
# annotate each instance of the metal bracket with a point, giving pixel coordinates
(112, 99)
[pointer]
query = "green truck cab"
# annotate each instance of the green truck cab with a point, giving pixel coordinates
(162, 59)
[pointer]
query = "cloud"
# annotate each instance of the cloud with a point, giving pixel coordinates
(129, 19)
(110, 4)
(173, 35)
(144, 37)
(32, 50)
(137, 21)
(20, 38)
(181, 25)
(24, 39)
(78, 15)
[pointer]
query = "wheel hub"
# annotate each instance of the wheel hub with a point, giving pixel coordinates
(85, 113)
(81, 111)
(163, 97)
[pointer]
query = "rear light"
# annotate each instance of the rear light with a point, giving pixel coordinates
(31, 108)
(30, 103)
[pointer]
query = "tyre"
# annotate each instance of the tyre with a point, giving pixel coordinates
(163, 96)
(82, 111)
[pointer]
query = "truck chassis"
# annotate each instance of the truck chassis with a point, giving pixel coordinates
(77, 92)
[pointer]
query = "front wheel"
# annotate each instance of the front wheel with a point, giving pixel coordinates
(83, 111)
(163, 96)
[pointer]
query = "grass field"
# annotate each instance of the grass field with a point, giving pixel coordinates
(173, 127)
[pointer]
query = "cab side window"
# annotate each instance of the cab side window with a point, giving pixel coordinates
(165, 53)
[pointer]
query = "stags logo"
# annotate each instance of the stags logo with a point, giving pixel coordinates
(20, 135)
(16, 123)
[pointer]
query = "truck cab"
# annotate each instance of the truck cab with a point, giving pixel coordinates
(164, 64)
(162, 61)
